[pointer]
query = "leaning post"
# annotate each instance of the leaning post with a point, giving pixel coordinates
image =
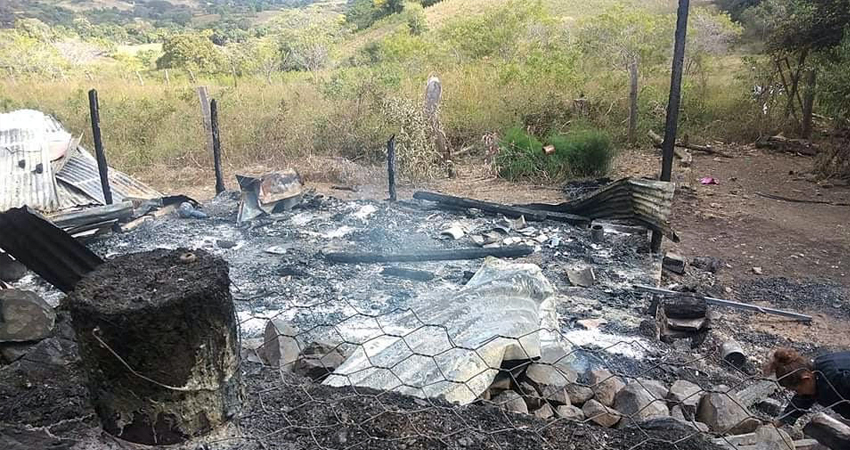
(102, 168)
(673, 103)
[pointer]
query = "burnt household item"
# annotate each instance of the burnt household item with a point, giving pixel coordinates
(271, 193)
(45, 249)
(158, 338)
(732, 353)
(731, 304)
(597, 233)
(430, 255)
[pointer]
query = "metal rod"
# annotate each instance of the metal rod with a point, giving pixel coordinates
(670, 128)
(391, 167)
(219, 178)
(729, 303)
(102, 168)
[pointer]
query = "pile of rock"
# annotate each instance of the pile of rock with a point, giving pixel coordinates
(284, 347)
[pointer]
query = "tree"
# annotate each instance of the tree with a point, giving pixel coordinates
(191, 51)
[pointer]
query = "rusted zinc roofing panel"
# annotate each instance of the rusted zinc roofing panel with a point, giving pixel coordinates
(46, 250)
(26, 176)
(80, 171)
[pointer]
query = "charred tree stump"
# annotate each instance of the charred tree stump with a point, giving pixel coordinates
(158, 338)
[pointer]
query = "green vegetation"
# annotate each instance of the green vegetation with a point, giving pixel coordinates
(579, 153)
(338, 77)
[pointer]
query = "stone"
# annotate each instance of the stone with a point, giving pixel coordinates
(25, 316)
(318, 360)
(771, 406)
(638, 403)
(723, 413)
(757, 270)
(544, 412)
(685, 395)
(677, 413)
(225, 243)
(578, 394)
(707, 263)
(656, 388)
(600, 414)
(531, 396)
(768, 437)
(669, 424)
(581, 277)
(551, 381)
(570, 412)
(511, 401)
(674, 263)
(280, 347)
(11, 270)
(605, 385)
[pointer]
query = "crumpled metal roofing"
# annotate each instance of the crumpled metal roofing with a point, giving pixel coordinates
(646, 201)
(28, 142)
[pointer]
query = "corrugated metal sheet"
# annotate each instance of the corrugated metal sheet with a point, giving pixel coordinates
(646, 201)
(29, 141)
(80, 171)
(26, 176)
(46, 250)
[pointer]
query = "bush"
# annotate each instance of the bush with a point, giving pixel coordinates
(520, 155)
(581, 153)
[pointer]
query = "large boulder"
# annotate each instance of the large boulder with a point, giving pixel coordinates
(25, 316)
(638, 403)
(686, 395)
(723, 413)
(605, 385)
(600, 414)
(280, 347)
(511, 401)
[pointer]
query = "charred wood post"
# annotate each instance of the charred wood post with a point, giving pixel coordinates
(391, 168)
(216, 139)
(102, 168)
(672, 123)
(633, 101)
(430, 255)
(158, 338)
(808, 104)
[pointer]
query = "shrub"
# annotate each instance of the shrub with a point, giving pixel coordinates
(582, 153)
(520, 155)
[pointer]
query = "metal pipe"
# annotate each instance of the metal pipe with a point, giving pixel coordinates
(597, 233)
(730, 304)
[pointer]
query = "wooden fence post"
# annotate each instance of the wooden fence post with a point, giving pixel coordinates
(633, 101)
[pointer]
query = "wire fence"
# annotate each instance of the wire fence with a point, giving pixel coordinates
(580, 398)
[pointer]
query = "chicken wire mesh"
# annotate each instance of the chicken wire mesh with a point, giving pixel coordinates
(532, 401)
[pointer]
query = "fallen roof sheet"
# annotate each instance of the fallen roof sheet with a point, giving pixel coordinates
(80, 171)
(43, 167)
(45, 249)
(646, 201)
